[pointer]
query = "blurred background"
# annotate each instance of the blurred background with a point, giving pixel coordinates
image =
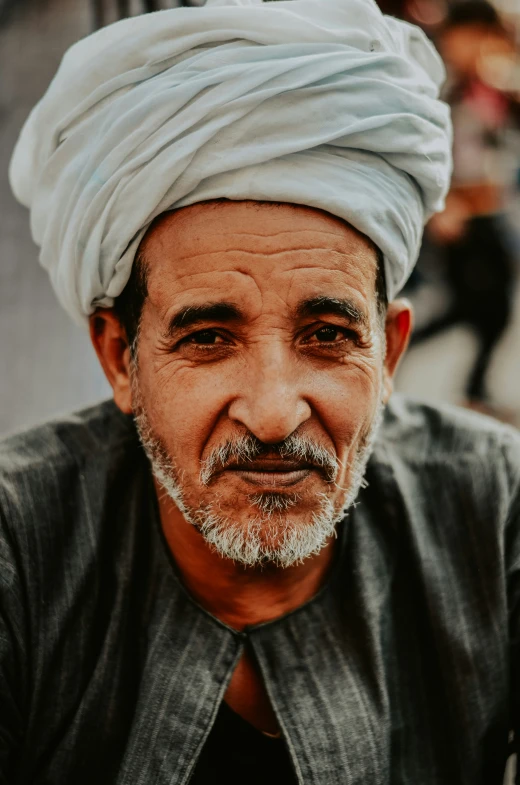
(466, 289)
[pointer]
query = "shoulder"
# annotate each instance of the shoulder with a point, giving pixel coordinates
(423, 433)
(71, 438)
(66, 490)
(44, 469)
(70, 517)
(448, 461)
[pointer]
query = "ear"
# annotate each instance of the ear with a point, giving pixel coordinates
(109, 340)
(399, 323)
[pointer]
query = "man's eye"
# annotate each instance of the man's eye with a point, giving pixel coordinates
(205, 338)
(329, 334)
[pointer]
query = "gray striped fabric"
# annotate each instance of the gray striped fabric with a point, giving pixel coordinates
(402, 670)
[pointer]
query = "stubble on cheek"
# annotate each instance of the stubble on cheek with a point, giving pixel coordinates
(245, 525)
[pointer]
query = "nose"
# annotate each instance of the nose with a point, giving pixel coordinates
(271, 402)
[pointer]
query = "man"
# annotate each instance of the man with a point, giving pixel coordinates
(275, 588)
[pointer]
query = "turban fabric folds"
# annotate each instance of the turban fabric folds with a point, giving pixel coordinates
(325, 103)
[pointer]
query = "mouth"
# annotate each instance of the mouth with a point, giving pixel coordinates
(265, 473)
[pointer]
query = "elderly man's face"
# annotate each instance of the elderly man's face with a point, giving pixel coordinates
(260, 372)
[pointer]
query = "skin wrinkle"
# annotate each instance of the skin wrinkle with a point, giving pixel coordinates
(273, 378)
(273, 336)
(249, 276)
(359, 365)
(367, 339)
(271, 234)
(174, 309)
(262, 253)
(356, 362)
(223, 311)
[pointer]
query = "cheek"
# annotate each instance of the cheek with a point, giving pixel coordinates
(183, 408)
(347, 404)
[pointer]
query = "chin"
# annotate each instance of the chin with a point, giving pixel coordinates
(255, 537)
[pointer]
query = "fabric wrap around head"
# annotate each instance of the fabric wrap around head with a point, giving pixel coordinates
(325, 103)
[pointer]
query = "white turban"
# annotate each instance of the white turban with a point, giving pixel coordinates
(325, 103)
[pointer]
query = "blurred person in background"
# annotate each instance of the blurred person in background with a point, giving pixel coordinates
(471, 236)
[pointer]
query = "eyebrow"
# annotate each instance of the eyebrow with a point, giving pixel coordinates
(192, 315)
(341, 307)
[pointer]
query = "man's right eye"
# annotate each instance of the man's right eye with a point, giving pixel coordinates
(204, 338)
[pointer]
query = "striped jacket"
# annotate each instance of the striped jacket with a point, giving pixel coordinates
(403, 670)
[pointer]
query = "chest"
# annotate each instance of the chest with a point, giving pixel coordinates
(247, 695)
(392, 676)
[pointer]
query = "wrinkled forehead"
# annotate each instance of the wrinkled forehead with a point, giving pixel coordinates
(285, 250)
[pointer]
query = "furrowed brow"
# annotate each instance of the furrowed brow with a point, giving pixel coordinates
(341, 307)
(193, 315)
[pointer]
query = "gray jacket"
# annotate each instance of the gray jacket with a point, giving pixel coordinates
(403, 670)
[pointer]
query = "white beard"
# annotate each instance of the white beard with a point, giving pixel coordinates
(270, 536)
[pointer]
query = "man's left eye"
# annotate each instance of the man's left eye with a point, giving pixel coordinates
(205, 337)
(330, 334)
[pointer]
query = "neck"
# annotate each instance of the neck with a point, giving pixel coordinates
(237, 595)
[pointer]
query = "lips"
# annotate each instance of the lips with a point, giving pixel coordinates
(271, 473)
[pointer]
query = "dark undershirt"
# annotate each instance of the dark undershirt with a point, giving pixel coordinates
(236, 753)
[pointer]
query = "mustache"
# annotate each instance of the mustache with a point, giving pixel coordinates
(247, 448)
